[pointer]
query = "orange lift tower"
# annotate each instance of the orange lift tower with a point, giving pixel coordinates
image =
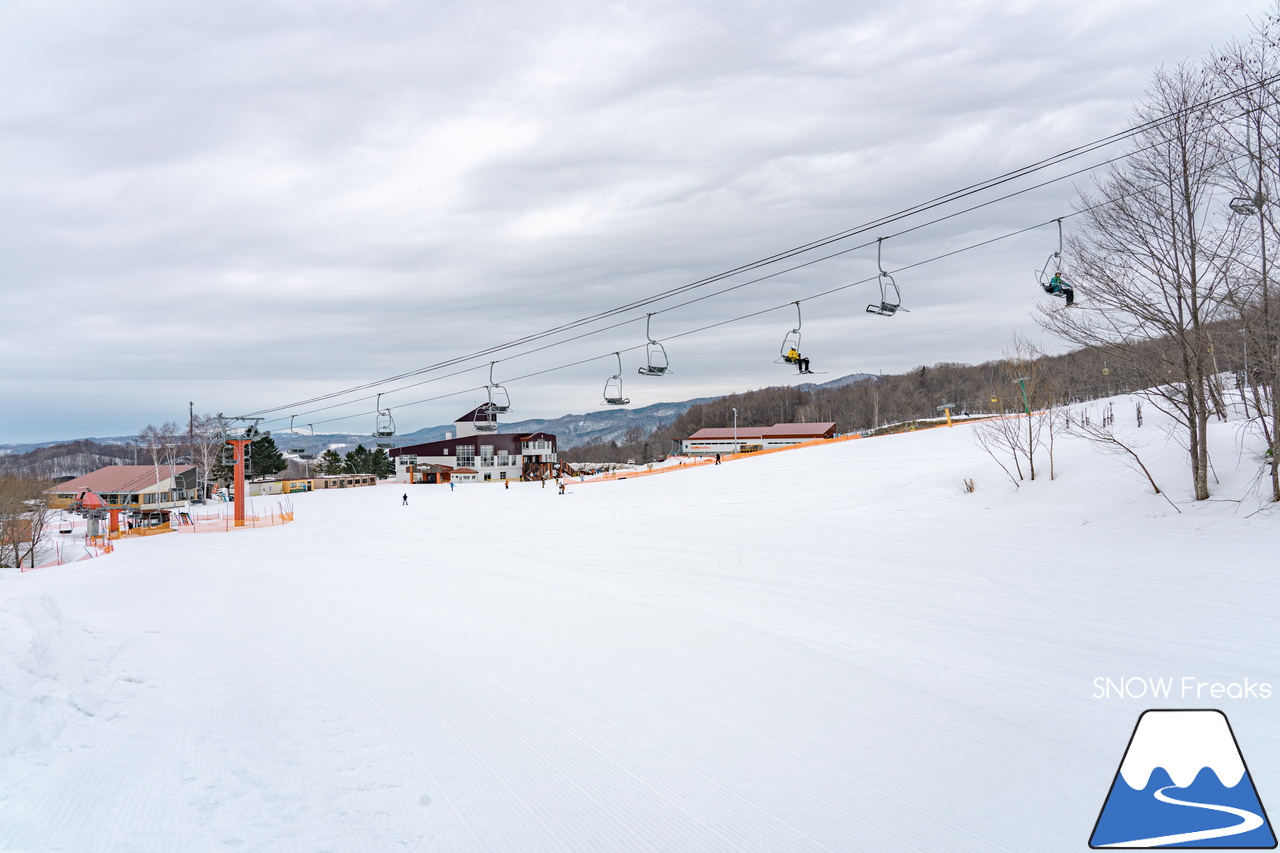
(238, 434)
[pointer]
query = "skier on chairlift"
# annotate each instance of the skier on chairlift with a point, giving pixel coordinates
(794, 357)
(1059, 285)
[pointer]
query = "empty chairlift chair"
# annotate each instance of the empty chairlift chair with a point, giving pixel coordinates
(499, 400)
(890, 295)
(655, 355)
(486, 419)
(296, 446)
(384, 427)
(613, 387)
(306, 454)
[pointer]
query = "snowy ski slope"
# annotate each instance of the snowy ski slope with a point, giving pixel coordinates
(828, 649)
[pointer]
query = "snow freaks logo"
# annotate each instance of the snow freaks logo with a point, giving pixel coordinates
(1183, 783)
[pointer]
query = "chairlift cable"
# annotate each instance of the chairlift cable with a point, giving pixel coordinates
(739, 318)
(717, 324)
(954, 195)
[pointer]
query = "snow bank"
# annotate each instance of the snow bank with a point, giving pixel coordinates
(51, 669)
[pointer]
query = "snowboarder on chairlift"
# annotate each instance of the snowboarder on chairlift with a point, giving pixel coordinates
(1058, 284)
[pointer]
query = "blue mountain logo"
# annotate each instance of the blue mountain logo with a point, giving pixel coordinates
(1183, 783)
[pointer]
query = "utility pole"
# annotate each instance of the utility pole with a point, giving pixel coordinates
(736, 446)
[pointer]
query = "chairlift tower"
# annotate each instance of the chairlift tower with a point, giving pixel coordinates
(237, 432)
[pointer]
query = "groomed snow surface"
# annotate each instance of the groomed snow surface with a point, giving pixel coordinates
(827, 649)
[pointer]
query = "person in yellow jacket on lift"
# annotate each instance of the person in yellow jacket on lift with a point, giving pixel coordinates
(794, 357)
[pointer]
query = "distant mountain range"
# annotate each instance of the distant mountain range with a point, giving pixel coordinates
(570, 430)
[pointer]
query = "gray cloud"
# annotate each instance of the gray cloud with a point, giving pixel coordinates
(254, 203)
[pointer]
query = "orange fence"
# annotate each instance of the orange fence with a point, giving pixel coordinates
(65, 552)
(189, 522)
(179, 522)
(710, 460)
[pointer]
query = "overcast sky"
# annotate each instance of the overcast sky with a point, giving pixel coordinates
(248, 204)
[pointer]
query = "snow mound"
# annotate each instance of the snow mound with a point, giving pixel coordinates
(50, 671)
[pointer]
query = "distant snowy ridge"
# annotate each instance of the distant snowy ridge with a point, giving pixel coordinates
(1183, 743)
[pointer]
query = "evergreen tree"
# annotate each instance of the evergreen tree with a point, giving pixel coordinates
(359, 461)
(264, 457)
(329, 463)
(382, 465)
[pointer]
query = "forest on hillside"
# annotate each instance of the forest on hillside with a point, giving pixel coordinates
(917, 394)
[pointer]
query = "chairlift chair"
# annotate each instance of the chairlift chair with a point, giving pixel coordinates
(613, 387)
(890, 295)
(305, 454)
(499, 400)
(1053, 266)
(655, 355)
(1245, 206)
(229, 458)
(791, 341)
(486, 419)
(295, 446)
(384, 426)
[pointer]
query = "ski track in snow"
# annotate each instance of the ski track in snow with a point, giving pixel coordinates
(822, 650)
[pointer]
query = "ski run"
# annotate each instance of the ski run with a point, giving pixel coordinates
(834, 648)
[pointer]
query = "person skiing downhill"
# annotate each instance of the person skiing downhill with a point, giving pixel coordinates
(405, 500)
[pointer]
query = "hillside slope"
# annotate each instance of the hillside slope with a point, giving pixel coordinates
(825, 649)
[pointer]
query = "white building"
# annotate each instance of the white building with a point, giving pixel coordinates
(484, 454)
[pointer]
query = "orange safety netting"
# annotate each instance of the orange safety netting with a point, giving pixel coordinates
(179, 522)
(710, 460)
(207, 523)
(65, 553)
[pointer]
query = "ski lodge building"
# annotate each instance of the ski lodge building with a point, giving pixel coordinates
(478, 455)
(713, 440)
(140, 487)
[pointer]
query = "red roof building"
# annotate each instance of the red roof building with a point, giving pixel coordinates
(130, 486)
(713, 440)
